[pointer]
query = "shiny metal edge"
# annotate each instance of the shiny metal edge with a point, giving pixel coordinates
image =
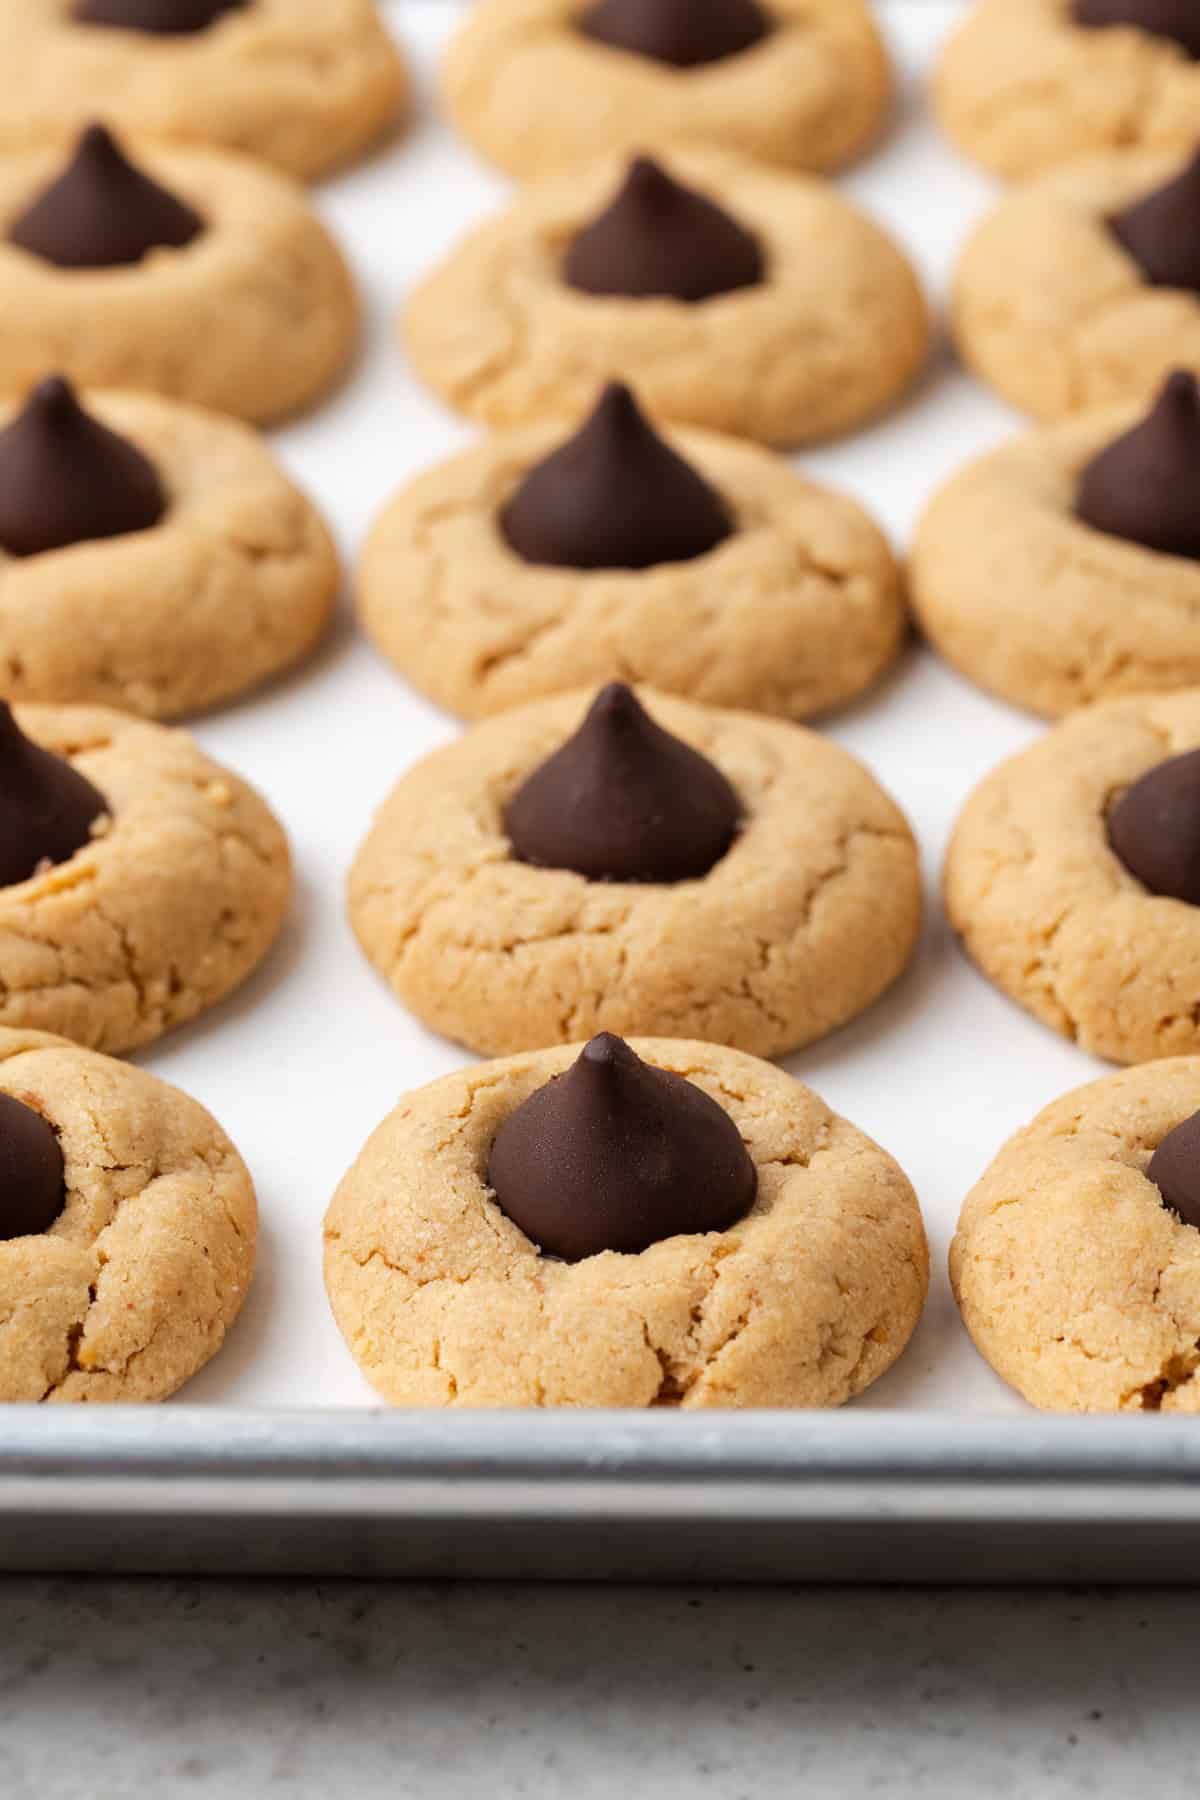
(851, 1496)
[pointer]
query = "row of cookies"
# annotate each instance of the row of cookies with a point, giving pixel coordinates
(662, 1223)
(546, 559)
(157, 560)
(672, 1224)
(1080, 289)
(618, 863)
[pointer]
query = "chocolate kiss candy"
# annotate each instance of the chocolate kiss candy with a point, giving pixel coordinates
(1146, 486)
(1175, 1170)
(1177, 19)
(658, 238)
(617, 1155)
(102, 212)
(1162, 232)
(1155, 829)
(623, 800)
(47, 808)
(65, 478)
(614, 497)
(165, 18)
(683, 32)
(33, 1189)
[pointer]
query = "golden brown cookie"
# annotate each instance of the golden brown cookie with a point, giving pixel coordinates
(134, 1286)
(1022, 87)
(306, 87)
(255, 317)
(797, 611)
(806, 920)
(1054, 312)
(1076, 1282)
(1051, 913)
(1033, 604)
(234, 584)
(534, 94)
(445, 1302)
(171, 905)
(832, 335)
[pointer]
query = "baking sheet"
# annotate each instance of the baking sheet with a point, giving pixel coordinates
(305, 1061)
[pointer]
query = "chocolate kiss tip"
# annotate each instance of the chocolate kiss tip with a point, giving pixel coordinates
(66, 479)
(616, 701)
(614, 496)
(1145, 487)
(1181, 390)
(1161, 231)
(658, 239)
(1175, 1170)
(166, 18)
(33, 1188)
(47, 808)
(102, 212)
(616, 1154)
(685, 33)
(1178, 20)
(623, 800)
(1154, 829)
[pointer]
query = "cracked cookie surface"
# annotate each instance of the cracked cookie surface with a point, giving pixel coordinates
(833, 335)
(236, 582)
(810, 916)
(1021, 87)
(255, 317)
(1030, 602)
(174, 902)
(1076, 1283)
(443, 1301)
(534, 94)
(1047, 909)
(1053, 312)
(798, 611)
(135, 1285)
(306, 87)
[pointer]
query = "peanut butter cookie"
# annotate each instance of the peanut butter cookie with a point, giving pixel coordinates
(825, 331)
(1082, 288)
(1077, 1258)
(140, 882)
(591, 864)
(699, 565)
(1064, 567)
(127, 1228)
(153, 556)
(1025, 84)
(539, 84)
(803, 1300)
(307, 87)
(1069, 877)
(194, 273)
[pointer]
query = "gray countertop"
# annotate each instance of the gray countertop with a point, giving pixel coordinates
(222, 1688)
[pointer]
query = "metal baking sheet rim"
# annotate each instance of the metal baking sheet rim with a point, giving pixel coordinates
(605, 1495)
